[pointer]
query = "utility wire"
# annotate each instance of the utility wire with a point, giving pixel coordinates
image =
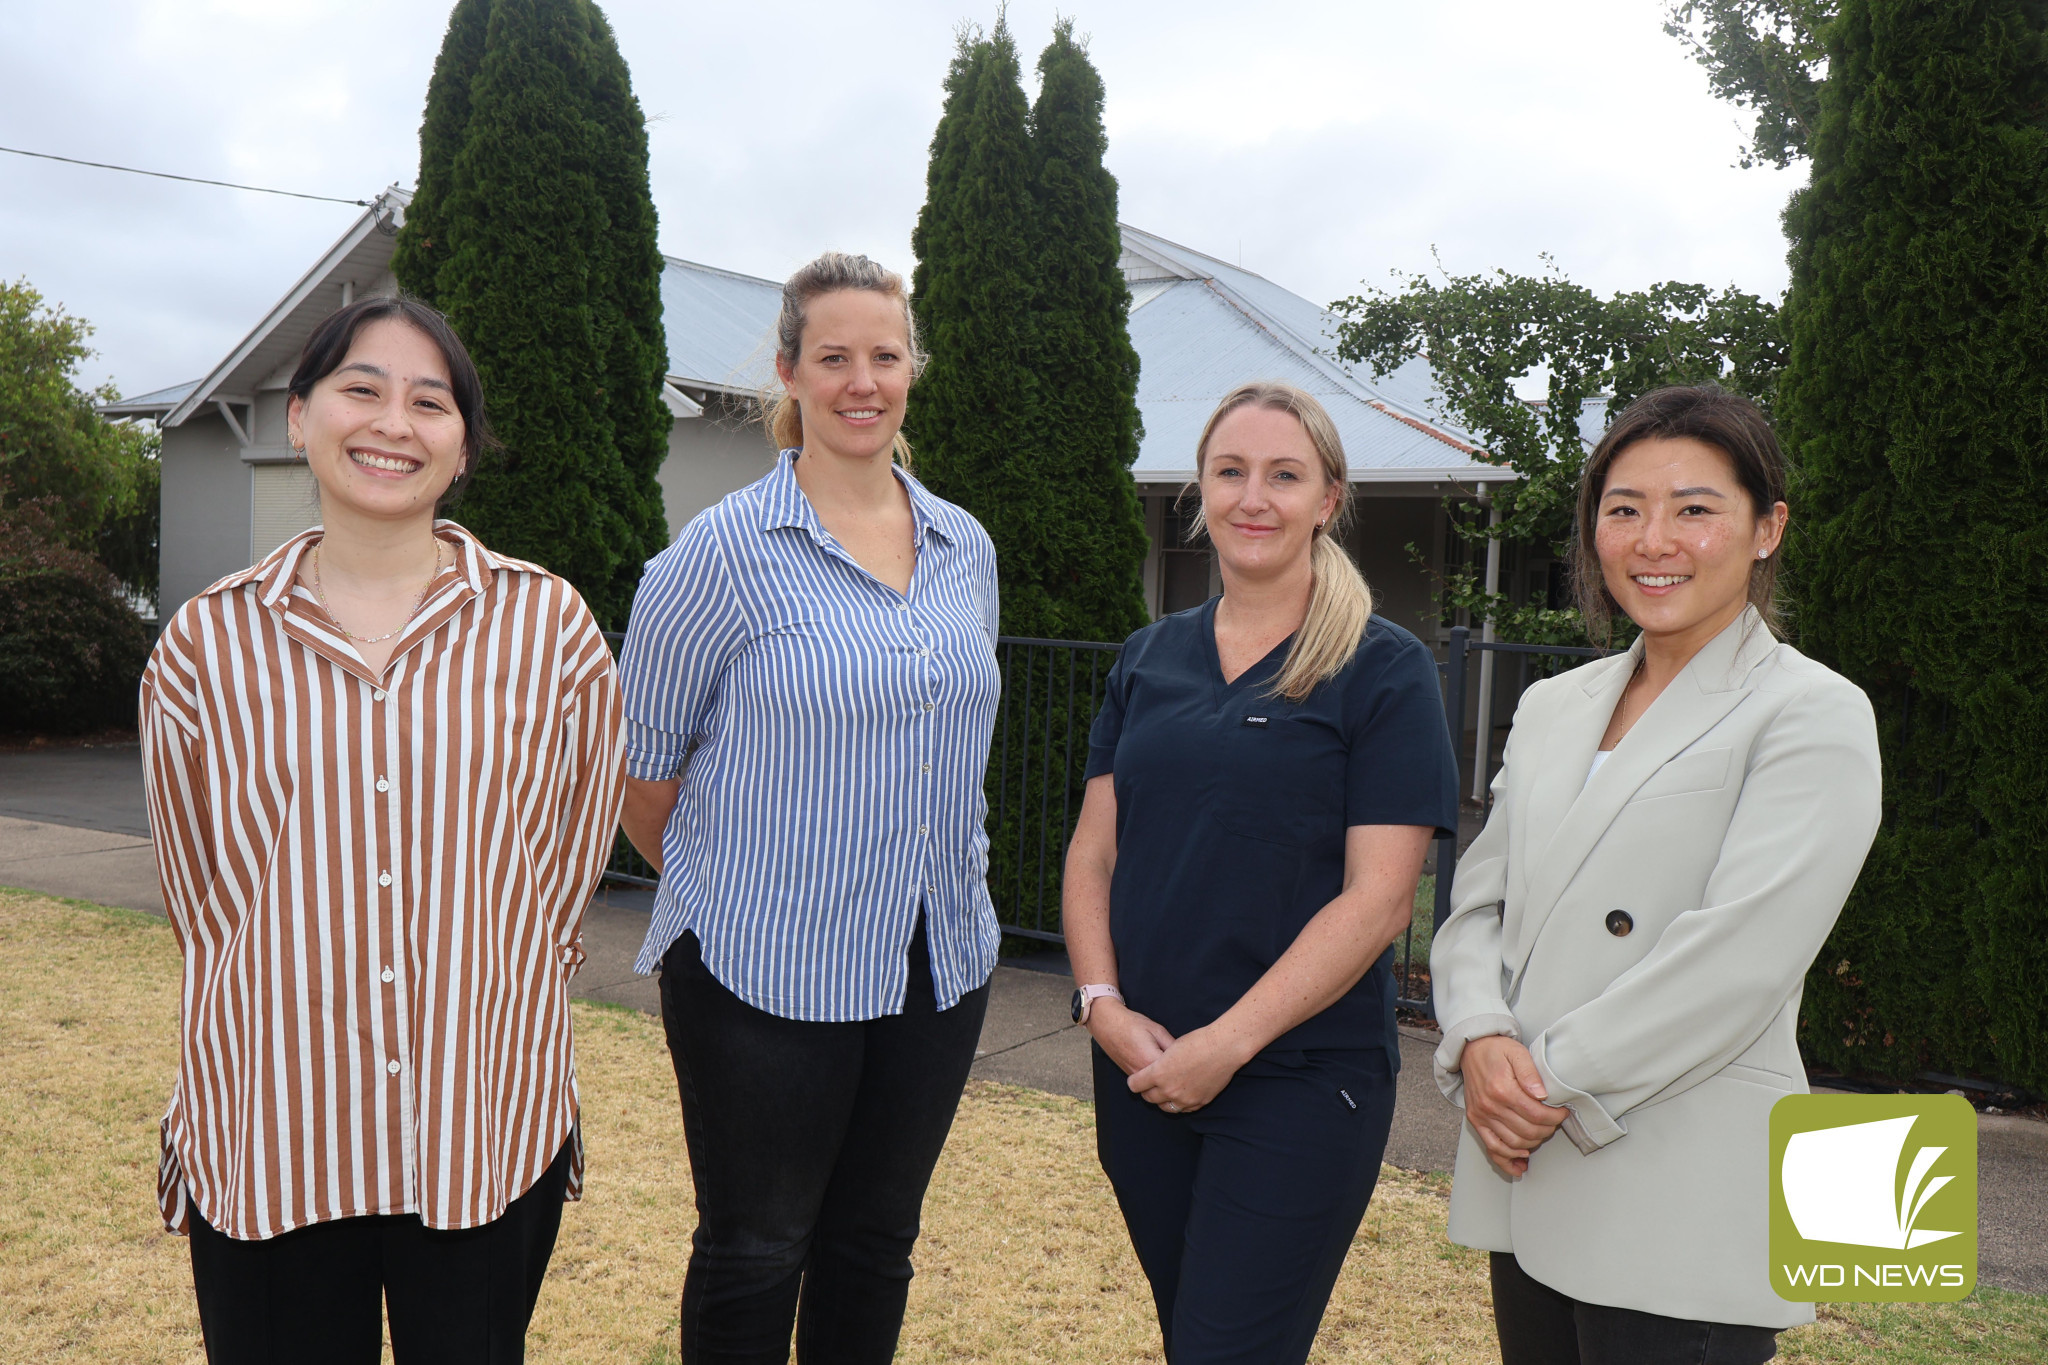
(188, 179)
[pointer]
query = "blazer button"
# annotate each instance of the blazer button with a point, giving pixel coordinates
(1619, 923)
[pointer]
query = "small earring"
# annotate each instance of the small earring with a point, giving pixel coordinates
(1763, 554)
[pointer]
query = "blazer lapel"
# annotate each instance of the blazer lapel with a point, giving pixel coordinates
(1702, 694)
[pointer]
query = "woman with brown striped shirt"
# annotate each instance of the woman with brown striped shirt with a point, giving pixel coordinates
(383, 775)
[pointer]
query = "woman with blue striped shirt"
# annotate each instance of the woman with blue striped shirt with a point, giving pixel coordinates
(811, 685)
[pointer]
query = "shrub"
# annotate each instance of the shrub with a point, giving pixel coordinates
(71, 648)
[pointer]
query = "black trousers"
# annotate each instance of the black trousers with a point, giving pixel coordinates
(811, 1145)
(317, 1295)
(1539, 1326)
(1242, 1212)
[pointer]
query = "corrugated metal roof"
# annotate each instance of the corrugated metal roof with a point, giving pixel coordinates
(1202, 326)
(721, 326)
(153, 404)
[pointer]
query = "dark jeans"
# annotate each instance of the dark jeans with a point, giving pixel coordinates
(1539, 1326)
(1242, 1212)
(317, 1295)
(810, 1147)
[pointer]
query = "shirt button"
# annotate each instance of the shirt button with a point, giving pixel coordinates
(1619, 922)
(391, 1067)
(931, 891)
(927, 767)
(383, 785)
(378, 695)
(383, 879)
(927, 706)
(920, 831)
(390, 975)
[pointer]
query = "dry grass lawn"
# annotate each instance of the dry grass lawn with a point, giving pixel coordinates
(1023, 1256)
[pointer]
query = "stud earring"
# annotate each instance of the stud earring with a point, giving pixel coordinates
(1763, 554)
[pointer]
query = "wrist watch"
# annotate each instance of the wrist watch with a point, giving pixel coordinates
(1085, 998)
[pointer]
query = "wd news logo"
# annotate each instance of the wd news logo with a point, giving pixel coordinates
(1873, 1198)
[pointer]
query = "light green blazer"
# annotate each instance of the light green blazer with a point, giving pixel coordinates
(1729, 825)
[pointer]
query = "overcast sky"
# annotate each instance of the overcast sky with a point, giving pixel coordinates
(1321, 144)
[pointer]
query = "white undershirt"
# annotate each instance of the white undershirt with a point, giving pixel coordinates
(1599, 757)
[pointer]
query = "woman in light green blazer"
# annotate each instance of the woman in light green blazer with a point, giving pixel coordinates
(1674, 830)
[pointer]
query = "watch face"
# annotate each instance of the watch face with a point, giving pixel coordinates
(1079, 1006)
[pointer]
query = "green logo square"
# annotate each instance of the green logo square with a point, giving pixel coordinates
(1873, 1198)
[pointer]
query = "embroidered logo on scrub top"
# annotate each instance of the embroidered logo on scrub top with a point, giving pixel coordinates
(1256, 722)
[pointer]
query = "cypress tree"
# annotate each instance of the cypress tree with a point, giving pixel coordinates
(1916, 406)
(1088, 428)
(973, 415)
(629, 323)
(528, 168)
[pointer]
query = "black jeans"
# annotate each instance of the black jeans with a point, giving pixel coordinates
(1242, 1212)
(810, 1148)
(1539, 1326)
(317, 1295)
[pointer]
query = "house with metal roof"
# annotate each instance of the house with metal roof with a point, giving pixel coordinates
(232, 491)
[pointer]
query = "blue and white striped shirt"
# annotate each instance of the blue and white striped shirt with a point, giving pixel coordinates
(836, 734)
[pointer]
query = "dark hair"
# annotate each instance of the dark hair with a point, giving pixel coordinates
(1713, 416)
(329, 346)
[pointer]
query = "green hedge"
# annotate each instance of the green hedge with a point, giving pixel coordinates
(71, 648)
(1916, 406)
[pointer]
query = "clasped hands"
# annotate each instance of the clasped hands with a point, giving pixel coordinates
(1504, 1102)
(1180, 1075)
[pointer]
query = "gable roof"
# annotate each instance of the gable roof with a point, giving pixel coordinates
(359, 258)
(1202, 327)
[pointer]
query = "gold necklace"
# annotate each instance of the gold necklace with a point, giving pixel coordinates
(1627, 694)
(320, 596)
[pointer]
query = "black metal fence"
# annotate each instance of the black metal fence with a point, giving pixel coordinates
(1412, 977)
(1036, 763)
(1039, 756)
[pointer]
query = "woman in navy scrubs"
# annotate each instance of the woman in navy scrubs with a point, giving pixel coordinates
(1264, 778)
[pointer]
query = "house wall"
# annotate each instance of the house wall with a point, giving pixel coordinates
(710, 456)
(206, 490)
(1382, 529)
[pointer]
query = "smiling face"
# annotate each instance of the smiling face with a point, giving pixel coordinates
(1677, 537)
(852, 373)
(381, 433)
(1264, 490)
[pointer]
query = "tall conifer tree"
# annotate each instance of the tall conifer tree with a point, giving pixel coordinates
(1086, 367)
(525, 231)
(628, 310)
(974, 415)
(1916, 406)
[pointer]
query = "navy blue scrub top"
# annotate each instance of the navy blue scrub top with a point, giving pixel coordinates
(1231, 809)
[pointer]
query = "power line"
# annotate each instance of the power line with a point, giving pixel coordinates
(188, 179)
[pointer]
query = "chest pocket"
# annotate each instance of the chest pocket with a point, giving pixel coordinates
(1704, 771)
(1281, 782)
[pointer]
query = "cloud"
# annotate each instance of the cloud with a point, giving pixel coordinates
(1326, 142)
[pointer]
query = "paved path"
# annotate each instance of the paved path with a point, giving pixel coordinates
(72, 824)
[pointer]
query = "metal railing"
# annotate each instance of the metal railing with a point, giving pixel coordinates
(1413, 981)
(1039, 755)
(1035, 774)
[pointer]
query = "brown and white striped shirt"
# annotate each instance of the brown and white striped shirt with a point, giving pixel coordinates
(378, 885)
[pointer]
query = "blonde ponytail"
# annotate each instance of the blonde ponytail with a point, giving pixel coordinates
(831, 272)
(1340, 600)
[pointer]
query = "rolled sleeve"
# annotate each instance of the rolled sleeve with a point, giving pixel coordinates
(1589, 1126)
(685, 628)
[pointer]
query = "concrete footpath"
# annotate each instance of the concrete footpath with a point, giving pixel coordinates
(72, 823)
